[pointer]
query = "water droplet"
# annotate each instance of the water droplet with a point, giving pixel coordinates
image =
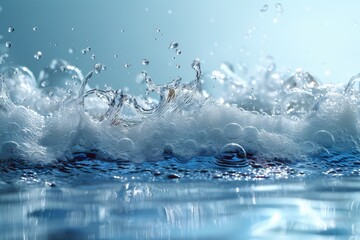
(252, 97)
(8, 44)
(178, 51)
(264, 8)
(116, 56)
(196, 66)
(34, 29)
(71, 51)
(158, 30)
(72, 29)
(173, 45)
(43, 84)
(85, 50)
(177, 66)
(38, 55)
(93, 56)
(145, 62)
(122, 30)
(99, 67)
(279, 7)
(11, 29)
(127, 65)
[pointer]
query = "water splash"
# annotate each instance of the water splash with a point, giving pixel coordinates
(263, 114)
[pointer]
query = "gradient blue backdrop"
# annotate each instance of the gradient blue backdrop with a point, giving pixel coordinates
(320, 36)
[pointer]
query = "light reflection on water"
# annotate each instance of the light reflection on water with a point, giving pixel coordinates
(313, 208)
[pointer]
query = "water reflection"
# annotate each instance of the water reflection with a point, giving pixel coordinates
(312, 208)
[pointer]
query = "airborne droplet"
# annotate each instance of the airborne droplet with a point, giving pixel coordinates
(173, 45)
(264, 8)
(127, 65)
(279, 7)
(38, 55)
(11, 29)
(99, 67)
(8, 44)
(145, 62)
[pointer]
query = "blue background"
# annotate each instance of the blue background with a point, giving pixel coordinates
(321, 37)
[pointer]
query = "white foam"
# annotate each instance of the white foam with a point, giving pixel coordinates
(185, 124)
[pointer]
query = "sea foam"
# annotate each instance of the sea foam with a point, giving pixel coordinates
(263, 114)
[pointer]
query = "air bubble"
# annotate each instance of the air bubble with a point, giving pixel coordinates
(58, 77)
(250, 133)
(168, 150)
(324, 138)
(8, 44)
(233, 155)
(173, 45)
(298, 105)
(38, 55)
(232, 130)
(126, 145)
(9, 147)
(11, 29)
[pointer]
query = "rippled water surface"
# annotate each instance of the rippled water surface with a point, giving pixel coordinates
(93, 199)
(86, 205)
